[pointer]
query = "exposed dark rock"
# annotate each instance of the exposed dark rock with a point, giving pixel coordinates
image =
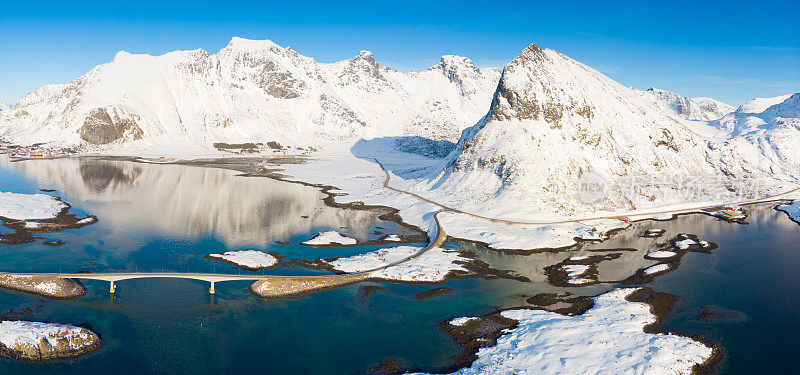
(69, 342)
(100, 127)
(432, 293)
(366, 291)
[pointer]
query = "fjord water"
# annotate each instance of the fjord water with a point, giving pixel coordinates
(155, 217)
(750, 286)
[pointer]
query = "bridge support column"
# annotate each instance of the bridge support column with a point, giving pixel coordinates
(212, 288)
(113, 288)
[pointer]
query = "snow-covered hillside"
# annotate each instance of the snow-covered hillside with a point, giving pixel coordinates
(250, 91)
(528, 134)
(713, 107)
(4, 106)
(702, 108)
(759, 105)
(762, 135)
(553, 119)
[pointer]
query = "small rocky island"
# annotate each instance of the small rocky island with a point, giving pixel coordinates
(29, 214)
(252, 260)
(37, 341)
(45, 286)
(330, 238)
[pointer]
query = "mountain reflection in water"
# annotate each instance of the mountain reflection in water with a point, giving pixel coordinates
(192, 201)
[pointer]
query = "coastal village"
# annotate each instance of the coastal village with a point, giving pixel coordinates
(35, 151)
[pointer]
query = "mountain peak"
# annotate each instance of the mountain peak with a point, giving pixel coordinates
(367, 57)
(787, 108)
(452, 60)
(121, 55)
(365, 61)
(530, 56)
(450, 64)
(533, 48)
(758, 105)
(250, 90)
(244, 45)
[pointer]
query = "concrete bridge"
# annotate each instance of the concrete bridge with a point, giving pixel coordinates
(271, 286)
(112, 278)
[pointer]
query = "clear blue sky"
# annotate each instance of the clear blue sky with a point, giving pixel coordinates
(731, 50)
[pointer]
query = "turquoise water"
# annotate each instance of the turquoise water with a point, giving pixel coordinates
(155, 217)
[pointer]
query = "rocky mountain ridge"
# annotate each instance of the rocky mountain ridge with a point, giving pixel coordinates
(700, 109)
(554, 119)
(250, 91)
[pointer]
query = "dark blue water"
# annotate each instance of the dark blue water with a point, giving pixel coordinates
(167, 217)
(752, 283)
(155, 217)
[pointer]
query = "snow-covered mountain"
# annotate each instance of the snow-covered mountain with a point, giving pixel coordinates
(538, 127)
(250, 91)
(759, 105)
(4, 106)
(761, 115)
(702, 108)
(764, 132)
(553, 119)
(712, 107)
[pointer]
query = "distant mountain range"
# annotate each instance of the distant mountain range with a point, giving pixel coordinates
(553, 119)
(250, 91)
(702, 109)
(525, 134)
(257, 91)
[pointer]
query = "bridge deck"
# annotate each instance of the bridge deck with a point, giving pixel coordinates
(117, 276)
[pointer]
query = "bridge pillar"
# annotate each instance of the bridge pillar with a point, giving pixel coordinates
(113, 288)
(212, 288)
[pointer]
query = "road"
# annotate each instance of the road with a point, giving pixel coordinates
(292, 284)
(436, 239)
(580, 219)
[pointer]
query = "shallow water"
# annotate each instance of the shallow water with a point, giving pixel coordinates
(749, 284)
(155, 217)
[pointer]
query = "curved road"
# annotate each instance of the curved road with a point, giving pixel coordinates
(311, 282)
(436, 240)
(575, 220)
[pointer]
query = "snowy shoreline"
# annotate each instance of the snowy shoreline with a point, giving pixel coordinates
(362, 181)
(330, 238)
(28, 214)
(791, 209)
(38, 341)
(22, 207)
(45, 286)
(614, 336)
(252, 260)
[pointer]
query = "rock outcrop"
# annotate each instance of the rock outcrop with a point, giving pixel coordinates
(250, 91)
(101, 127)
(46, 286)
(36, 341)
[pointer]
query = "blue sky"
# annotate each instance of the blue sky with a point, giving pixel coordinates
(732, 50)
